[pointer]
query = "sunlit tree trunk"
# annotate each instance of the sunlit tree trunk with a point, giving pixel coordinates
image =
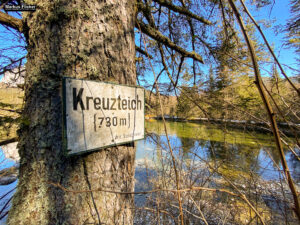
(84, 39)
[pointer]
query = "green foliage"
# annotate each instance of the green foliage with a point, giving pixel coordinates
(246, 95)
(185, 107)
(293, 26)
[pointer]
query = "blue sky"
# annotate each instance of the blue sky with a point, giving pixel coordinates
(279, 12)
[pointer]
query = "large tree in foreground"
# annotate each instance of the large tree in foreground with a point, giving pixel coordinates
(83, 39)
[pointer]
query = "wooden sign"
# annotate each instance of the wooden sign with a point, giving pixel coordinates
(98, 114)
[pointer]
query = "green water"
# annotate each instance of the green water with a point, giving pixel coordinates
(237, 151)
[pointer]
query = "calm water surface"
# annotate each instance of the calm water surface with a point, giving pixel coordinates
(237, 150)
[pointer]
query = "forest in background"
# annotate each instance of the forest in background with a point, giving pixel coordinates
(238, 100)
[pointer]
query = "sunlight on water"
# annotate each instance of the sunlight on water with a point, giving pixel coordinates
(236, 150)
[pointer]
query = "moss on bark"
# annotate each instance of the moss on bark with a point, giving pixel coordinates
(83, 39)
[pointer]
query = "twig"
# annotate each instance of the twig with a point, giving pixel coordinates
(8, 141)
(200, 211)
(3, 208)
(291, 128)
(3, 196)
(182, 10)
(144, 192)
(269, 47)
(268, 108)
(137, 48)
(1, 7)
(159, 37)
(169, 144)
(11, 110)
(153, 210)
(240, 194)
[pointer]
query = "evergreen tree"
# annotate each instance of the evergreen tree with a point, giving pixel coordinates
(293, 27)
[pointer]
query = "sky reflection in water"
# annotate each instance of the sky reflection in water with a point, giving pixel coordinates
(238, 150)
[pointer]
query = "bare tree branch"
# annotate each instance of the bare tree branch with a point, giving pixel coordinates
(11, 21)
(156, 35)
(193, 40)
(183, 11)
(4, 3)
(137, 48)
(8, 141)
(269, 47)
(269, 109)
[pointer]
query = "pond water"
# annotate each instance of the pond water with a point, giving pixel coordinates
(239, 151)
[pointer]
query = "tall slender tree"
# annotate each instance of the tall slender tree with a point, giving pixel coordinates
(92, 40)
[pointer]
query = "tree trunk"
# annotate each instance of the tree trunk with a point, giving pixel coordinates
(83, 39)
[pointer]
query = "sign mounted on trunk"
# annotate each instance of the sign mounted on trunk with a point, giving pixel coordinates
(98, 114)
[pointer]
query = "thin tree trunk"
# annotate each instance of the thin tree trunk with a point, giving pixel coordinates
(269, 110)
(269, 48)
(84, 39)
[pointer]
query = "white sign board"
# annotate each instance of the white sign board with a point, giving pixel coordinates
(98, 114)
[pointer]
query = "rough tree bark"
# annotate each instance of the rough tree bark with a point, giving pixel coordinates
(83, 39)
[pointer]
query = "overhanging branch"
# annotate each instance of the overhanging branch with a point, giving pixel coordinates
(11, 21)
(156, 35)
(182, 10)
(8, 141)
(137, 48)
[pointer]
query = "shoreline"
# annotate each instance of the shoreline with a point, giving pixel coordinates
(238, 124)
